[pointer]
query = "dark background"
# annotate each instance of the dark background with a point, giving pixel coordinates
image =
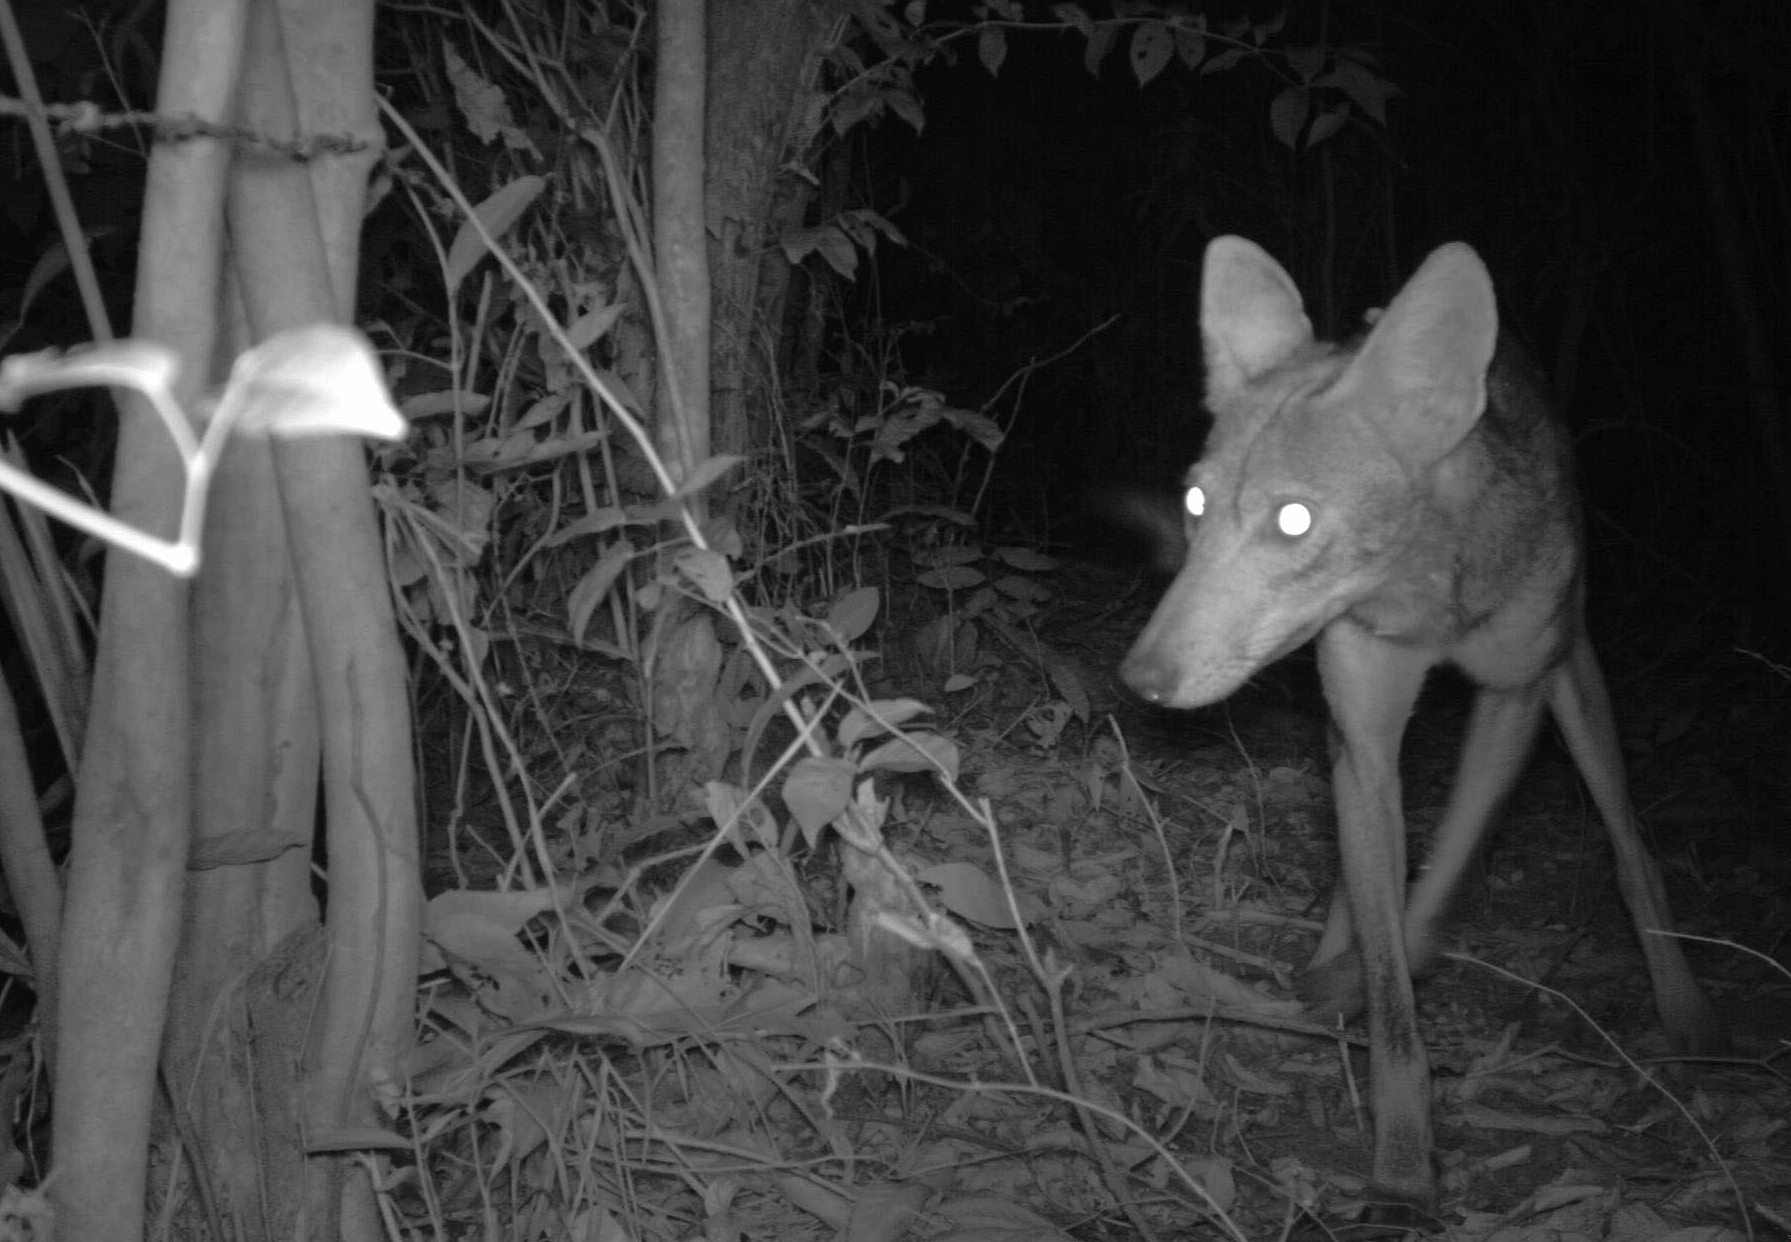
(1621, 168)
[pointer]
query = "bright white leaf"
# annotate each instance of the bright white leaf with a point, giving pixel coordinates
(143, 365)
(321, 379)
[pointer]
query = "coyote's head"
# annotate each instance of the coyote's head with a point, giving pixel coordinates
(1325, 475)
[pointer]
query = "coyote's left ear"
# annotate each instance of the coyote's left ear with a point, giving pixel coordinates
(1423, 367)
(1251, 317)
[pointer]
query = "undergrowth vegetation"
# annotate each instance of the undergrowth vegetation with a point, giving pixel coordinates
(787, 873)
(725, 931)
(656, 765)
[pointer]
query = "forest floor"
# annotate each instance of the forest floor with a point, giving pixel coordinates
(1135, 1064)
(1557, 1110)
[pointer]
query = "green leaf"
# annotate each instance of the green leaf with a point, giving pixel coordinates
(905, 104)
(1224, 60)
(1100, 42)
(899, 428)
(506, 911)
(592, 326)
(1026, 559)
(828, 240)
(979, 427)
(1074, 15)
(1287, 115)
(444, 401)
(707, 472)
(952, 578)
(1152, 46)
(838, 250)
(956, 517)
(591, 589)
(1327, 123)
(356, 1138)
(1030, 590)
(729, 806)
(817, 792)
(972, 893)
(544, 411)
(595, 523)
(852, 615)
(914, 752)
(1365, 88)
(878, 718)
(497, 213)
(709, 572)
(991, 48)
(1190, 45)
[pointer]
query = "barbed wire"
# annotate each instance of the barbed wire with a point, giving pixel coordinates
(88, 118)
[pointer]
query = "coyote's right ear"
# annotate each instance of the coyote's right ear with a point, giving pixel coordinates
(1251, 317)
(1421, 374)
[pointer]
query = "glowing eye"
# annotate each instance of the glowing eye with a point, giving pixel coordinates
(1195, 501)
(1293, 519)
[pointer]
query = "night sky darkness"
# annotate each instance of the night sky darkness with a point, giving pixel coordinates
(1557, 139)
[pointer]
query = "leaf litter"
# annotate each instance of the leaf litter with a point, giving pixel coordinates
(708, 1057)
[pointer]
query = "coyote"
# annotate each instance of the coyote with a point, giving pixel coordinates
(1409, 502)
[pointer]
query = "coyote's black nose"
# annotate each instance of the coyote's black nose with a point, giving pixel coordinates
(1147, 677)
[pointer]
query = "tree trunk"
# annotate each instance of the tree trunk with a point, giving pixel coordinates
(679, 251)
(296, 229)
(256, 730)
(264, 620)
(133, 802)
(764, 56)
